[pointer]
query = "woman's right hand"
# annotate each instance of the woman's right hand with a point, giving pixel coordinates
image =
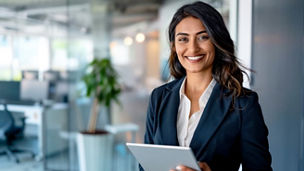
(203, 165)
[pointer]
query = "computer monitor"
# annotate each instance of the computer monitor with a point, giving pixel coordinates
(9, 91)
(61, 91)
(51, 75)
(70, 76)
(30, 75)
(34, 90)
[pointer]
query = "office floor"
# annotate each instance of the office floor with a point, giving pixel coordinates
(27, 163)
(60, 162)
(25, 166)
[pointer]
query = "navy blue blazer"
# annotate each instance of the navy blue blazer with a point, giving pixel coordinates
(226, 135)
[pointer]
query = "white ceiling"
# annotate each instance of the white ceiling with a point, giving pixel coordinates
(51, 16)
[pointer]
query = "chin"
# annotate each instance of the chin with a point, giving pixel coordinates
(194, 71)
(199, 70)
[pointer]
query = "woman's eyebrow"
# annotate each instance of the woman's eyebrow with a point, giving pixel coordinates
(182, 34)
(186, 34)
(204, 31)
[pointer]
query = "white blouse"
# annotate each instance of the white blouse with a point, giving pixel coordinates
(186, 126)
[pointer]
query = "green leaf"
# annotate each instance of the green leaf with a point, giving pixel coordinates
(101, 80)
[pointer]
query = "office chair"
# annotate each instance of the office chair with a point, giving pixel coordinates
(9, 132)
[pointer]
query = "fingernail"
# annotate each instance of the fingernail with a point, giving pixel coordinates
(178, 168)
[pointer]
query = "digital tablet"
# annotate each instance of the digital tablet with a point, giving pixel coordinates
(162, 157)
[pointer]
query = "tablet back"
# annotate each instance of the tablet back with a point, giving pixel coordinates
(162, 157)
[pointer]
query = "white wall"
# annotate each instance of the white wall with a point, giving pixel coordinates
(244, 41)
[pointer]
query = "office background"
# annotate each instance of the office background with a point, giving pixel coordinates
(45, 46)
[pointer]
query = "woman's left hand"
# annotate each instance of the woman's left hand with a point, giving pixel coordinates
(203, 165)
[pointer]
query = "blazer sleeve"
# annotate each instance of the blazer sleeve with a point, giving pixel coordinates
(150, 120)
(254, 142)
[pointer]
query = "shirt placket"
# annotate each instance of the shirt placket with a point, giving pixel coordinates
(187, 125)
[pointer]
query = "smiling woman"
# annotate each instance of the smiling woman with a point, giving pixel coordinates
(206, 107)
(226, 68)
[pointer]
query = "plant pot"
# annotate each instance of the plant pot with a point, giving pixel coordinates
(95, 151)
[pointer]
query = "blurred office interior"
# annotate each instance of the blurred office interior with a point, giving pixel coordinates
(45, 46)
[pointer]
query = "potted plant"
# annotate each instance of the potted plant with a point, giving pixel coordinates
(95, 146)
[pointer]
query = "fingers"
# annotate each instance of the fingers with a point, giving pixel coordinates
(204, 166)
(182, 168)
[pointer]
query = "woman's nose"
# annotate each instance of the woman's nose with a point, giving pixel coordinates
(193, 47)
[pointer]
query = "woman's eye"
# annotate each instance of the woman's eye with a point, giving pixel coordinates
(203, 38)
(183, 39)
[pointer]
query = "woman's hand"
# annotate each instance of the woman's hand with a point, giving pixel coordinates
(203, 165)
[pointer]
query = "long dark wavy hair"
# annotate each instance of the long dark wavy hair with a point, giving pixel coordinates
(226, 68)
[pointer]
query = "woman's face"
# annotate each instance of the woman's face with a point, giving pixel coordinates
(193, 46)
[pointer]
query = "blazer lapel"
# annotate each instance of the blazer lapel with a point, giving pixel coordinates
(168, 114)
(214, 113)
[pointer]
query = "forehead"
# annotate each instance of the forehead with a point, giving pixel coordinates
(190, 25)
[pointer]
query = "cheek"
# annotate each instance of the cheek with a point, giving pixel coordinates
(211, 47)
(179, 50)
(211, 50)
(211, 57)
(180, 58)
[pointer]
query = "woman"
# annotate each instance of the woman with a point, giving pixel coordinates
(206, 107)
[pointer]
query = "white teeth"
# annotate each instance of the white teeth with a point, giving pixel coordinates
(195, 57)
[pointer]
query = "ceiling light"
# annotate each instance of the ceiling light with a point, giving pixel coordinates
(128, 41)
(140, 37)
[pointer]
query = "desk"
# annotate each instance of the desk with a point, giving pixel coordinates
(44, 119)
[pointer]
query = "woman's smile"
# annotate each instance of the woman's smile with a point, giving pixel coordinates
(195, 59)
